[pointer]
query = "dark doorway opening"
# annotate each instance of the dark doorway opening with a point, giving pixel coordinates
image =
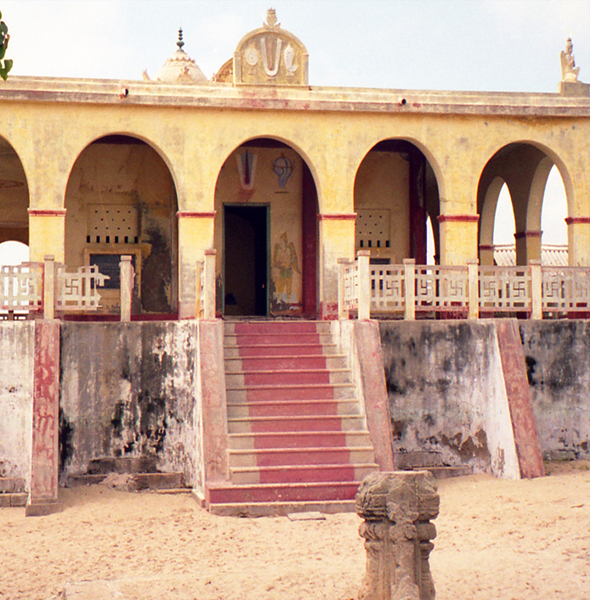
(245, 260)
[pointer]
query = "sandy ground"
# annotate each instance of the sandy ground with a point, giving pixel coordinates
(497, 539)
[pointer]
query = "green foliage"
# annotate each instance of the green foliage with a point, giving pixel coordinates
(5, 64)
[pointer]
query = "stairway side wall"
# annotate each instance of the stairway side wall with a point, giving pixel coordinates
(17, 340)
(557, 354)
(129, 390)
(447, 393)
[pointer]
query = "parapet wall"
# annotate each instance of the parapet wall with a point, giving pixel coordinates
(130, 390)
(447, 394)
(17, 340)
(557, 355)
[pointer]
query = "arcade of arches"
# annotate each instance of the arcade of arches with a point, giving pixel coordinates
(280, 178)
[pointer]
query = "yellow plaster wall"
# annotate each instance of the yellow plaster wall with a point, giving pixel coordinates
(194, 142)
(382, 183)
(285, 232)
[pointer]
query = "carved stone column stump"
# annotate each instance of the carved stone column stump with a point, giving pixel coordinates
(397, 509)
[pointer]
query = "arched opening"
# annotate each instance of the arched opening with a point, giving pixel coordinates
(14, 196)
(395, 193)
(504, 230)
(13, 253)
(121, 200)
(522, 203)
(266, 232)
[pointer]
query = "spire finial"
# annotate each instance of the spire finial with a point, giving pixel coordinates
(180, 43)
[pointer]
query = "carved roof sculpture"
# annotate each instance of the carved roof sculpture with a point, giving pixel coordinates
(180, 67)
(569, 71)
(270, 56)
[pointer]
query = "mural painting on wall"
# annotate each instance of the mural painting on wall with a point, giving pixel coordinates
(282, 168)
(284, 265)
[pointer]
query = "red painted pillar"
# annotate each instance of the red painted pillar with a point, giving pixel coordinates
(45, 448)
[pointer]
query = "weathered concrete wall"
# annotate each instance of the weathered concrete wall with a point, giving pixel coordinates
(129, 390)
(558, 363)
(16, 398)
(447, 393)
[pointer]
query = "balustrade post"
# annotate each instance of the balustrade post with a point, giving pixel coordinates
(364, 284)
(342, 312)
(409, 289)
(199, 289)
(49, 287)
(473, 283)
(127, 280)
(209, 288)
(536, 289)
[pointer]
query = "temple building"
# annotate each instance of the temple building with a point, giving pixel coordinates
(254, 195)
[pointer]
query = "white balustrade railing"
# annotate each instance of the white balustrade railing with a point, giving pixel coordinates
(31, 288)
(566, 289)
(466, 291)
(21, 288)
(504, 289)
(77, 290)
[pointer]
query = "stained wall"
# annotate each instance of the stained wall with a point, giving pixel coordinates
(130, 390)
(16, 398)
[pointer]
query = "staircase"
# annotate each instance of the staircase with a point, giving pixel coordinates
(297, 436)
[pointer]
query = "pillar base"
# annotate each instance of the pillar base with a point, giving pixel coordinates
(42, 508)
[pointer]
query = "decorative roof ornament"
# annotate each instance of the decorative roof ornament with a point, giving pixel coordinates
(271, 20)
(569, 84)
(180, 67)
(569, 71)
(270, 56)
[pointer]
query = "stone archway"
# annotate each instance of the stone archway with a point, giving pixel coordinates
(121, 199)
(524, 168)
(266, 232)
(395, 192)
(14, 196)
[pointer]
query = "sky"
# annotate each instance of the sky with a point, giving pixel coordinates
(479, 45)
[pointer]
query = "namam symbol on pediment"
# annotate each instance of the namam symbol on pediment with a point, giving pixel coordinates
(270, 56)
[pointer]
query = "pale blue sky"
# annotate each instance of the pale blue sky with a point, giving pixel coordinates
(484, 45)
(495, 45)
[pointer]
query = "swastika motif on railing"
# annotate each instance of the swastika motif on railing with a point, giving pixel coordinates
(441, 287)
(387, 288)
(566, 289)
(504, 289)
(21, 287)
(78, 290)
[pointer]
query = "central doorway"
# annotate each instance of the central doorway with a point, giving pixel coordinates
(245, 265)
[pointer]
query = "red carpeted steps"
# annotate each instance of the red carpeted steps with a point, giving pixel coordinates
(297, 436)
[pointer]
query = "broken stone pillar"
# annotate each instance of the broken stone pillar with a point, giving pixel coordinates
(397, 509)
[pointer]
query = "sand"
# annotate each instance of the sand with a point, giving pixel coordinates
(497, 539)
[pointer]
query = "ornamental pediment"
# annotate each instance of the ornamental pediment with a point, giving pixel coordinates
(270, 56)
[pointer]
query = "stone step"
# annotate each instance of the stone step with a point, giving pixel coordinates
(296, 423)
(12, 485)
(222, 493)
(300, 439)
(284, 408)
(272, 339)
(318, 391)
(418, 459)
(13, 499)
(287, 377)
(301, 473)
(277, 509)
(138, 481)
(278, 327)
(286, 362)
(280, 350)
(269, 457)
